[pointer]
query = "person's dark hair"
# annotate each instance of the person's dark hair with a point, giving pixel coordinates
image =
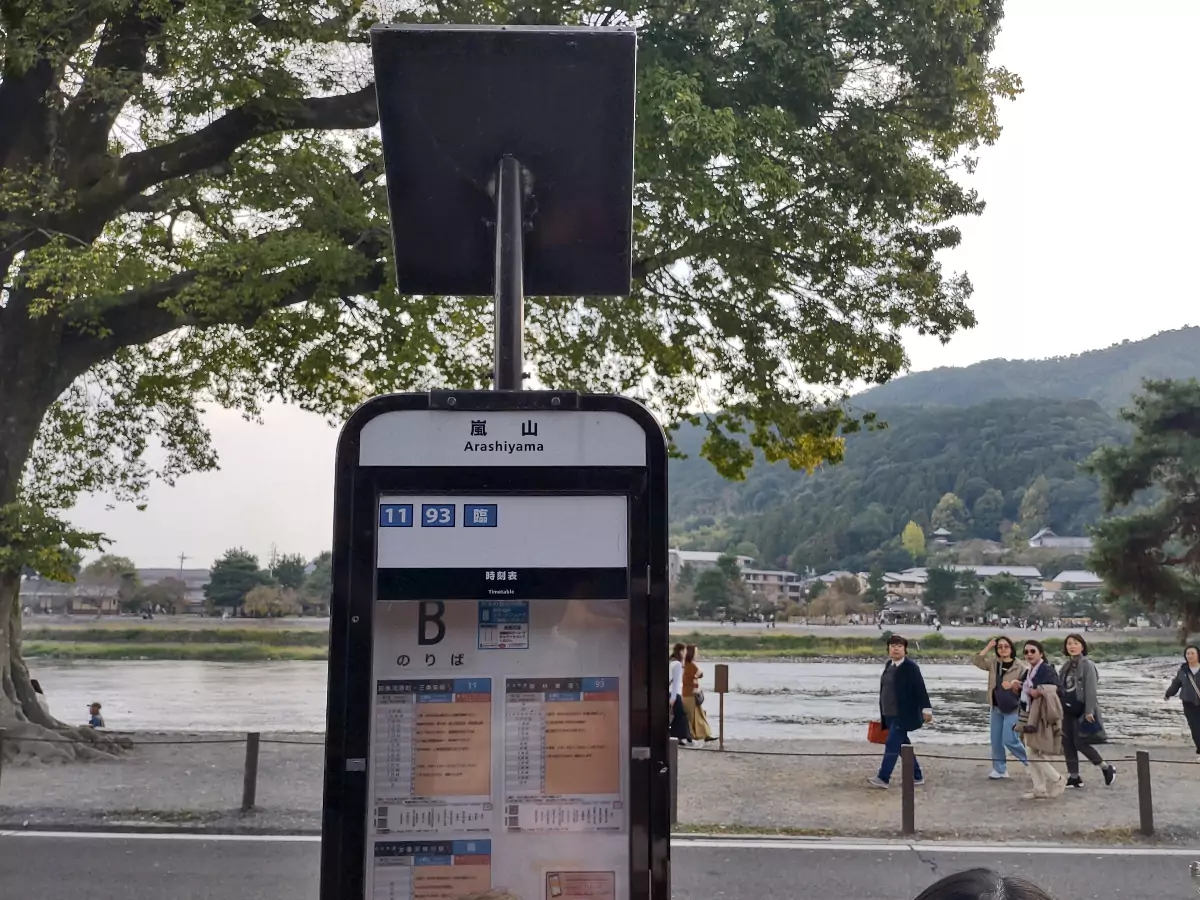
(1032, 643)
(983, 884)
(1190, 647)
(677, 652)
(689, 654)
(897, 639)
(1077, 637)
(1006, 639)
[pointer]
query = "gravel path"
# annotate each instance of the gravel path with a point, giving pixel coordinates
(199, 785)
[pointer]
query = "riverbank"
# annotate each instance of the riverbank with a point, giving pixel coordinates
(193, 781)
(251, 641)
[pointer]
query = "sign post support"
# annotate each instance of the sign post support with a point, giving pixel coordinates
(497, 724)
(510, 278)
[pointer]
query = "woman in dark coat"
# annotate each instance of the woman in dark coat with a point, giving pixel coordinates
(1187, 685)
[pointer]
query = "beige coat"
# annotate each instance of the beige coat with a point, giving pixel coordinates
(1046, 718)
(987, 662)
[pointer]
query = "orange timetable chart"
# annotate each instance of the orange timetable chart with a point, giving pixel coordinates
(431, 870)
(562, 759)
(432, 755)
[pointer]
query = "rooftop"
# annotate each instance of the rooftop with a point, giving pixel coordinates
(1078, 576)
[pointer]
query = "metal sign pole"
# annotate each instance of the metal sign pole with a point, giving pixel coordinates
(510, 274)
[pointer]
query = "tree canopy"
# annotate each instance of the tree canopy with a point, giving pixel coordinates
(1153, 554)
(232, 577)
(191, 213)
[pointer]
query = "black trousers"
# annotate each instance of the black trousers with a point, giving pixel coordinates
(1072, 746)
(1192, 713)
(680, 727)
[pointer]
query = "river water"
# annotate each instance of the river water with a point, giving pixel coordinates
(767, 700)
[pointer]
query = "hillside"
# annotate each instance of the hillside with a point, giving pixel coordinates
(1109, 376)
(1010, 460)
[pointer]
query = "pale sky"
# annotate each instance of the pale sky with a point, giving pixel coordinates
(1090, 195)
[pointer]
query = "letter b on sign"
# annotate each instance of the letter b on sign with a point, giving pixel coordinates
(429, 619)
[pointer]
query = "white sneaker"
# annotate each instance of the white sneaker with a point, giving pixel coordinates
(996, 776)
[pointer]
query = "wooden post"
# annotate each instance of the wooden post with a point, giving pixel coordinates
(908, 789)
(1145, 795)
(721, 686)
(250, 779)
(673, 765)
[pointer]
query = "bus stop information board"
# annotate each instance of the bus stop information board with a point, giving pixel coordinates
(507, 707)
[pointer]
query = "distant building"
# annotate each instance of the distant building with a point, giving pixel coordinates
(699, 560)
(1069, 581)
(941, 537)
(1048, 539)
(194, 580)
(774, 585)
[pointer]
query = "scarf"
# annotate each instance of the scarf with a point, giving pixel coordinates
(1028, 686)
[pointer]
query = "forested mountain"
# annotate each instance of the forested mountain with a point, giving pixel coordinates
(1011, 462)
(1110, 376)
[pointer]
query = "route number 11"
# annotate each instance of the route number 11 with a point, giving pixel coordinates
(396, 515)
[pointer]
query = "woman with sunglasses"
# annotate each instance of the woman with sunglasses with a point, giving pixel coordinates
(1005, 671)
(1040, 718)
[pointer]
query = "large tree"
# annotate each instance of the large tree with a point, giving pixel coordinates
(1152, 554)
(191, 212)
(232, 577)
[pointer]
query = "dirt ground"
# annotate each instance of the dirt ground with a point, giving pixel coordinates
(199, 785)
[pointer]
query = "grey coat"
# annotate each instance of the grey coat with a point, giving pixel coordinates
(1087, 678)
(1185, 684)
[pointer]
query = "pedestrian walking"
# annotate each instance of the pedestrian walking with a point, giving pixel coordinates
(1187, 685)
(1005, 672)
(679, 720)
(903, 708)
(1081, 711)
(693, 697)
(983, 884)
(1040, 717)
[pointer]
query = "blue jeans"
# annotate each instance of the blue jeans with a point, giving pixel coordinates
(897, 738)
(1004, 736)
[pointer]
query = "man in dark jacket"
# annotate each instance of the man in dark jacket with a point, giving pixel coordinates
(903, 708)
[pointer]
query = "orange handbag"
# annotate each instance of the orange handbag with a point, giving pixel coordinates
(876, 733)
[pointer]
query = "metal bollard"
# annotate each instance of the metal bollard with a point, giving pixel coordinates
(908, 789)
(1145, 795)
(673, 765)
(250, 779)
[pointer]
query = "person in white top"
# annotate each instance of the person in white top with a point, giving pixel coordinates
(679, 720)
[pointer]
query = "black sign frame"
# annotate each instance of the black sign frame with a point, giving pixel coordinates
(344, 837)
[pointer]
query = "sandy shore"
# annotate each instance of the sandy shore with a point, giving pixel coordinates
(199, 785)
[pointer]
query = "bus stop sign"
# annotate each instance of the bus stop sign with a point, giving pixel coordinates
(497, 721)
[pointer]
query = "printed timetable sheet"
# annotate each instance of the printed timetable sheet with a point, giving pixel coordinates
(433, 755)
(431, 870)
(562, 766)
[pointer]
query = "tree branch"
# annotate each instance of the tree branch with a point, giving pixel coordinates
(143, 314)
(115, 71)
(215, 143)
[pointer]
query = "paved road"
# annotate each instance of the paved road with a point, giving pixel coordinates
(59, 867)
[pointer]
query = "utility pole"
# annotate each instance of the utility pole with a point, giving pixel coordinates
(182, 557)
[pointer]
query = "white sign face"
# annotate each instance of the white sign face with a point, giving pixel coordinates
(499, 748)
(531, 438)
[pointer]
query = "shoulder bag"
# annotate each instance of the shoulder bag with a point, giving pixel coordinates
(1006, 701)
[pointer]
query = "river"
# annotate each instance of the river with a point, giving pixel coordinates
(767, 700)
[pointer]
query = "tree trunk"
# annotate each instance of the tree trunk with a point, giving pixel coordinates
(30, 381)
